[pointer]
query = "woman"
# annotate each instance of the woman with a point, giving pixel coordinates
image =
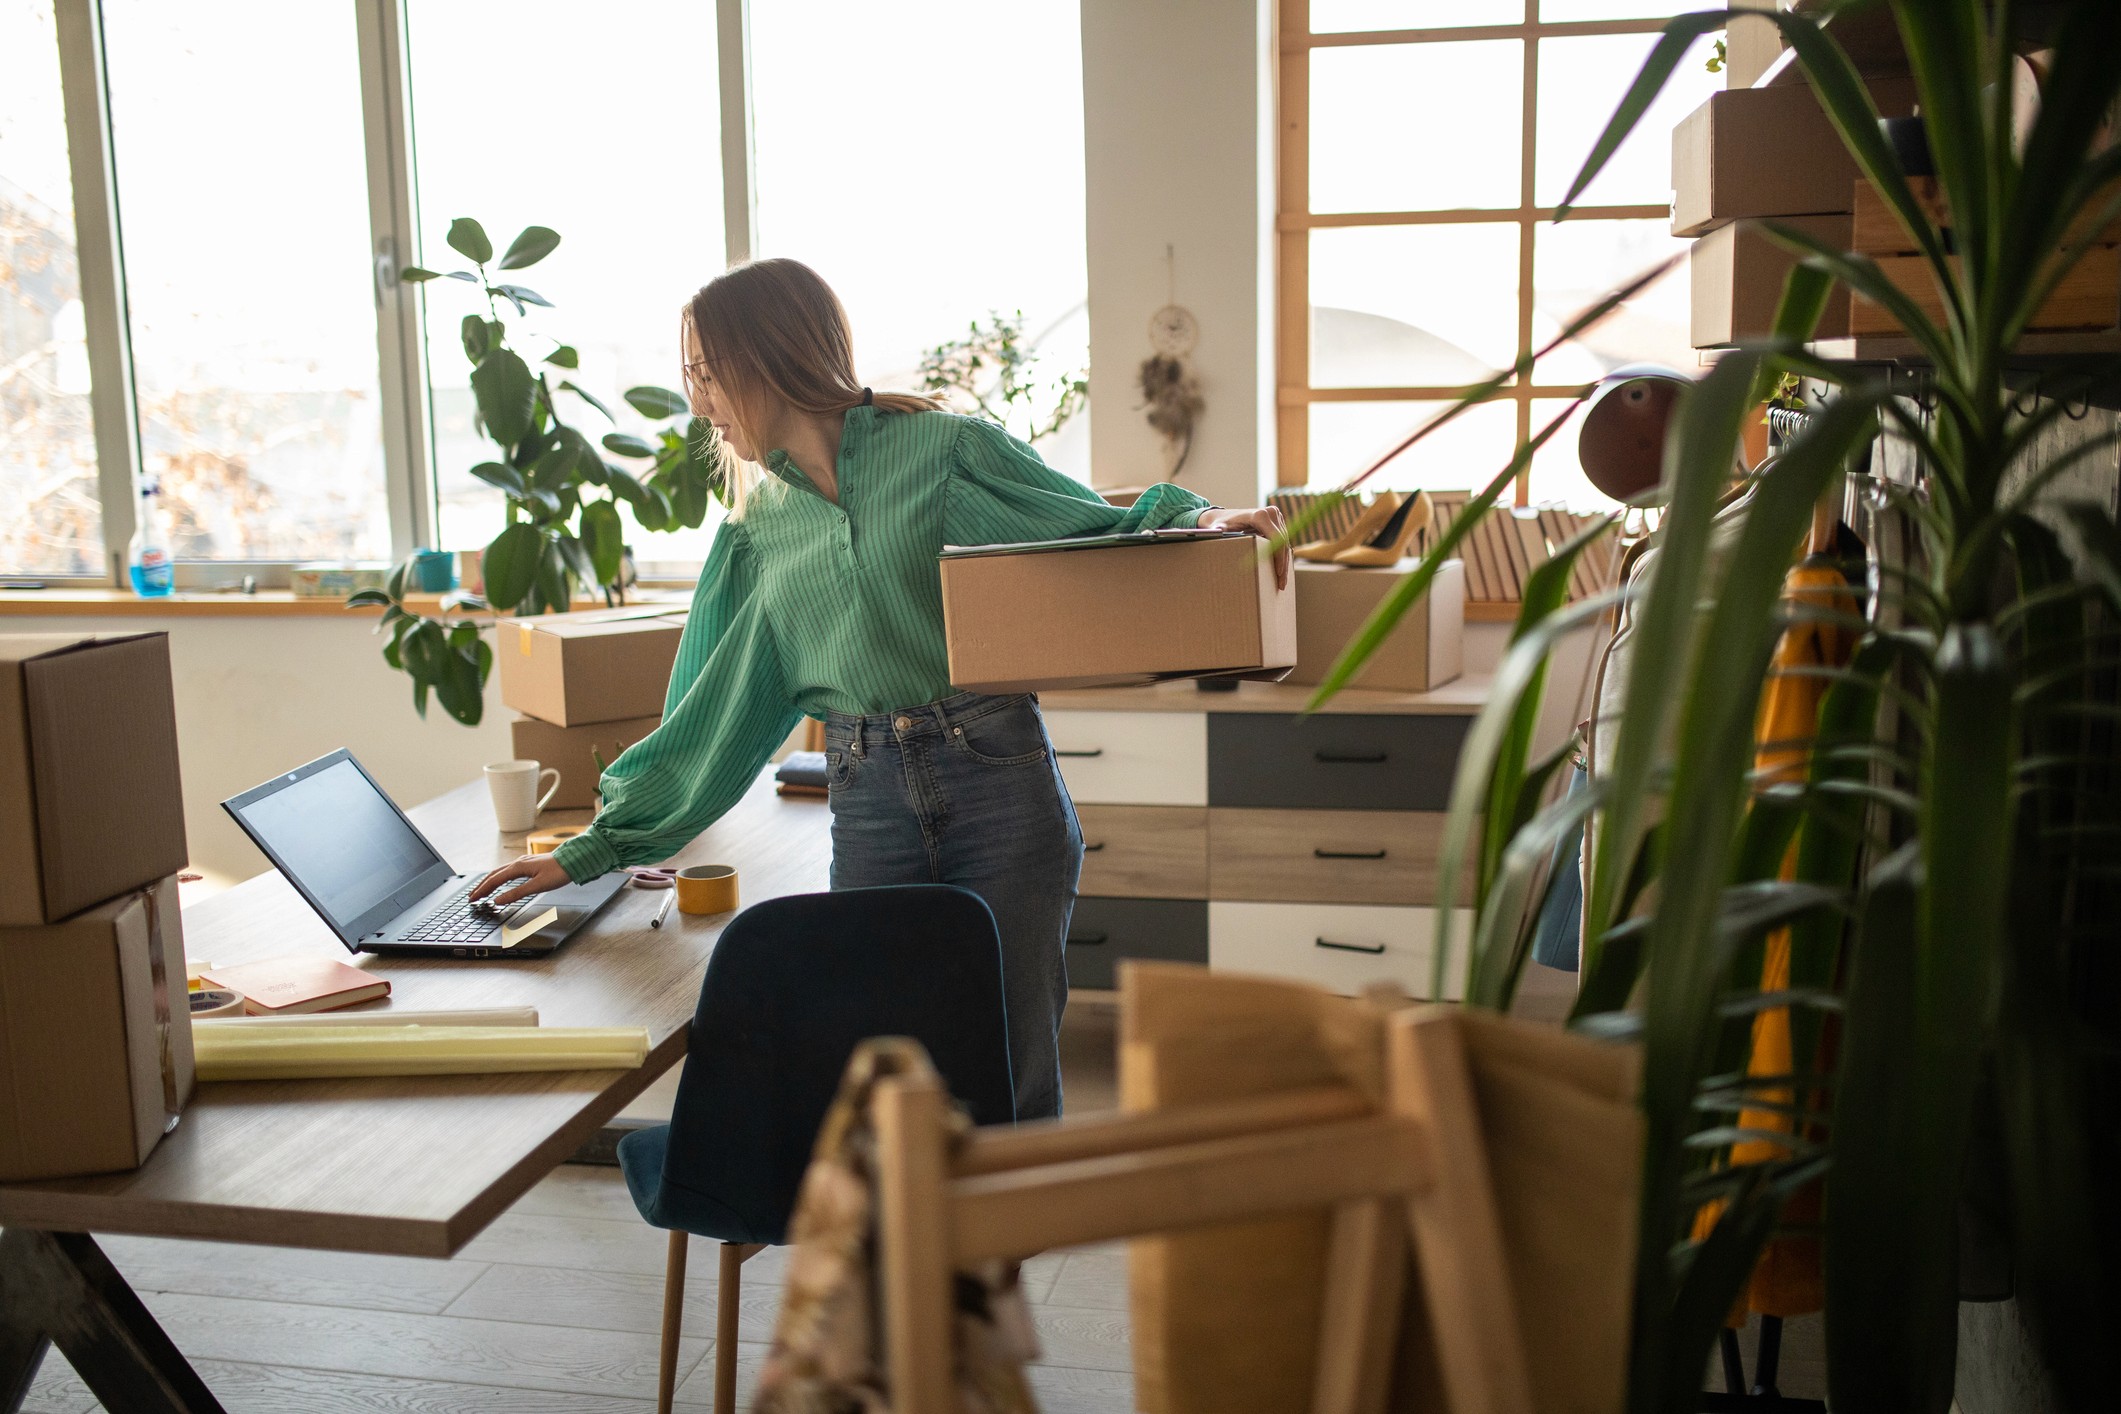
(821, 597)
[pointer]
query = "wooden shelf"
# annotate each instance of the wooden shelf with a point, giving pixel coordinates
(1462, 697)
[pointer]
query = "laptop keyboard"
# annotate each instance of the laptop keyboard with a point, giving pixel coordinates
(457, 919)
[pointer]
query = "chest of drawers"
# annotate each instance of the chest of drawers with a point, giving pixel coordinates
(1230, 829)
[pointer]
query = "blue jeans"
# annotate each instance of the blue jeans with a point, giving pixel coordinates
(965, 791)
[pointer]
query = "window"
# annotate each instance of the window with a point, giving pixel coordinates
(244, 221)
(629, 174)
(222, 313)
(1422, 148)
(961, 192)
(50, 519)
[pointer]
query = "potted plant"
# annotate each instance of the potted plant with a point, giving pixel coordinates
(1948, 865)
(563, 534)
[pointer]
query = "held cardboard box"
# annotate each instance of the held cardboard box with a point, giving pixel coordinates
(1767, 152)
(1425, 651)
(1737, 278)
(90, 802)
(95, 1037)
(566, 750)
(1113, 610)
(604, 665)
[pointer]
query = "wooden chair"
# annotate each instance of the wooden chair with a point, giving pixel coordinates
(1406, 1178)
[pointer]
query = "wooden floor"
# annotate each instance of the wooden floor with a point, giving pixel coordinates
(555, 1307)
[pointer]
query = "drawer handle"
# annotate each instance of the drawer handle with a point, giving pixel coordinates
(1093, 848)
(1344, 758)
(1098, 940)
(1347, 854)
(1093, 751)
(1372, 948)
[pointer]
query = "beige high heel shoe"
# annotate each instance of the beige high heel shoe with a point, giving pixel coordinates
(1323, 552)
(1390, 542)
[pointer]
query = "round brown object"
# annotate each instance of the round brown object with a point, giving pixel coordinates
(1621, 443)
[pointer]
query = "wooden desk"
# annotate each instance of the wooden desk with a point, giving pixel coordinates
(413, 1166)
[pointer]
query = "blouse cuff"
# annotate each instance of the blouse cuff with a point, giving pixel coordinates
(587, 855)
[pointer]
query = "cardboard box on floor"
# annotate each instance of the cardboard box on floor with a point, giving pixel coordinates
(1102, 615)
(566, 750)
(1767, 152)
(602, 665)
(1425, 651)
(95, 1037)
(90, 801)
(1737, 276)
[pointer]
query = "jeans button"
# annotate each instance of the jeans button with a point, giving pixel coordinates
(903, 723)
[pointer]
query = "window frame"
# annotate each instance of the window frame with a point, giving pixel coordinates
(1294, 220)
(394, 242)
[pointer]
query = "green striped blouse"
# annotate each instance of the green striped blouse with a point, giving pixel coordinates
(806, 607)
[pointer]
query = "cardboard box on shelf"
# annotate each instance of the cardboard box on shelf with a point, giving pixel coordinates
(566, 750)
(1737, 276)
(90, 801)
(2087, 298)
(1112, 610)
(600, 665)
(95, 1049)
(1425, 651)
(1767, 152)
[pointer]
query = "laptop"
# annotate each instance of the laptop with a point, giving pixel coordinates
(374, 878)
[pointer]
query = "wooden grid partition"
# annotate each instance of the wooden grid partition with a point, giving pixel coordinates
(1295, 220)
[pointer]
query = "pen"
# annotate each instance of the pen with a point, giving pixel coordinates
(664, 911)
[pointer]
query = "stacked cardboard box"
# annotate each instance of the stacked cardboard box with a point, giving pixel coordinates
(1765, 152)
(588, 685)
(95, 1033)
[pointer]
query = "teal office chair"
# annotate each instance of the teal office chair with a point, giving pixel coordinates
(793, 985)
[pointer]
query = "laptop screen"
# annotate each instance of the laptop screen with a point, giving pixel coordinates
(338, 838)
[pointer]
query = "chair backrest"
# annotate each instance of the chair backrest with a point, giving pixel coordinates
(1394, 1154)
(793, 986)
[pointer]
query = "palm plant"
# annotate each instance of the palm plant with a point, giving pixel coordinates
(1948, 870)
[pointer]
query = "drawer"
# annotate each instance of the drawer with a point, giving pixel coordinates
(1106, 931)
(1144, 851)
(1325, 856)
(1132, 758)
(1333, 761)
(1342, 946)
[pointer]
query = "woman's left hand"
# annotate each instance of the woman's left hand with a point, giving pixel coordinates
(1263, 521)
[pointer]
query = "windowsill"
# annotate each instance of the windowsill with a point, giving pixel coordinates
(185, 604)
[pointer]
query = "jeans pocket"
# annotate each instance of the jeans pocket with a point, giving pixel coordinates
(840, 766)
(1007, 736)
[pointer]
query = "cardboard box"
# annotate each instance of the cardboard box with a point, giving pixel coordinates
(566, 750)
(90, 802)
(603, 665)
(1767, 152)
(1101, 614)
(1425, 651)
(2087, 298)
(95, 1037)
(1737, 277)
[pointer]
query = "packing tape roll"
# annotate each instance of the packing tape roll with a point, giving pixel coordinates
(546, 841)
(215, 1001)
(706, 888)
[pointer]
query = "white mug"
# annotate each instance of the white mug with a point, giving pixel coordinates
(516, 801)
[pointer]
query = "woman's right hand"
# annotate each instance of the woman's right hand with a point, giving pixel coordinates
(538, 872)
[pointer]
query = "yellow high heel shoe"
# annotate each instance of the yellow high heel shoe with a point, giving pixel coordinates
(1390, 542)
(1323, 552)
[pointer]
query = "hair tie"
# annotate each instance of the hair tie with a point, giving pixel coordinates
(868, 398)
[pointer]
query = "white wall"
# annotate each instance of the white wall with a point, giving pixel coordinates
(1177, 127)
(258, 694)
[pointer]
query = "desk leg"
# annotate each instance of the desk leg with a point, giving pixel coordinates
(59, 1288)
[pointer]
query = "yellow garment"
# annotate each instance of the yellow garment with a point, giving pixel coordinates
(1788, 1279)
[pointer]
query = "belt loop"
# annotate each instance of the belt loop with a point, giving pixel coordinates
(854, 744)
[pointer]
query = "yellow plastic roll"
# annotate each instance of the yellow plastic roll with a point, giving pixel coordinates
(231, 1053)
(546, 841)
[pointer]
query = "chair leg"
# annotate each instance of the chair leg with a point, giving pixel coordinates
(727, 1304)
(673, 1321)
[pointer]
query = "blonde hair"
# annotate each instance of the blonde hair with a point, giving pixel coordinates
(773, 331)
